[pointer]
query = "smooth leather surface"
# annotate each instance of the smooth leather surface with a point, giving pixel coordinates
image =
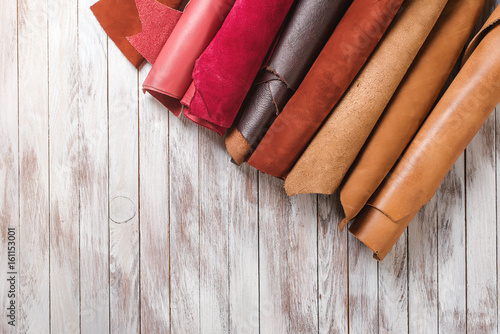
(330, 154)
(120, 19)
(170, 76)
(410, 104)
(225, 71)
(350, 45)
(450, 127)
(310, 24)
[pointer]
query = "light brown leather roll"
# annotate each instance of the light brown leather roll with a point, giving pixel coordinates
(410, 104)
(445, 134)
(328, 157)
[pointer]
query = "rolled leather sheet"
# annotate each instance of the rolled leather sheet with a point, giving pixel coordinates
(347, 50)
(170, 76)
(120, 19)
(225, 71)
(330, 154)
(450, 127)
(410, 105)
(310, 24)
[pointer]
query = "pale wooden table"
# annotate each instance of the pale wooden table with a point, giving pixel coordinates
(130, 220)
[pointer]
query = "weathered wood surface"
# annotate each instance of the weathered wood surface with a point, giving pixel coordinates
(131, 220)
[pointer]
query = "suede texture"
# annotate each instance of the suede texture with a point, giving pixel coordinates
(158, 21)
(411, 104)
(445, 134)
(225, 71)
(120, 19)
(343, 56)
(310, 24)
(170, 76)
(333, 150)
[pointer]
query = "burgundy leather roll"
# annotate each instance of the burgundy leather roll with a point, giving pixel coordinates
(170, 76)
(310, 24)
(348, 48)
(445, 134)
(411, 104)
(120, 19)
(225, 71)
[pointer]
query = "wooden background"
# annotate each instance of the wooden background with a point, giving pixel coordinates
(130, 220)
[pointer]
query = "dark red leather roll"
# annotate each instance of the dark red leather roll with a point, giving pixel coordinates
(120, 19)
(170, 75)
(347, 50)
(225, 71)
(305, 33)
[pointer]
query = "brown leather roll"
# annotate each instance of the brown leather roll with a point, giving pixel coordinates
(410, 104)
(309, 26)
(350, 45)
(445, 134)
(328, 157)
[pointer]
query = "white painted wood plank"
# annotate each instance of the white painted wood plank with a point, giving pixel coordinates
(451, 251)
(154, 201)
(184, 227)
(93, 182)
(481, 231)
(214, 266)
(333, 272)
(243, 249)
(64, 167)
(9, 168)
(288, 260)
(123, 194)
(422, 270)
(393, 289)
(363, 289)
(34, 174)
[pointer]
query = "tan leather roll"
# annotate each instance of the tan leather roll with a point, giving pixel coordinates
(443, 137)
(328, 157)
(410, 105)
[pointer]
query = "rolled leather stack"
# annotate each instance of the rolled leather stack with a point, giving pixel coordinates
(309, 26)
(411, 104)
(170, 76)
(224, 73)
(443, 137)
(333, 150)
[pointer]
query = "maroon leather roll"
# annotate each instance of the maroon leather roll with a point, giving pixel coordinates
(225, 71)
(350, 45)
(170, 75)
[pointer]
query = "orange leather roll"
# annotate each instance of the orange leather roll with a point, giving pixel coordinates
(331, 153)
(410, 105)
(443, 137)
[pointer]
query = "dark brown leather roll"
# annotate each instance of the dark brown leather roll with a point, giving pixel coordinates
(309, 25)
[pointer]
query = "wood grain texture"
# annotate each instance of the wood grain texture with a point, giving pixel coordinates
(184, 227)
(154, 213)
(93, 180)
(123, 195)
(64, 166)
(333, 274)
(33, 167)
(9, 152)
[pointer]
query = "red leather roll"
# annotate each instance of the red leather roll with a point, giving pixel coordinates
(120, 19)
(350, 45)
(170, 75)
(225, 71)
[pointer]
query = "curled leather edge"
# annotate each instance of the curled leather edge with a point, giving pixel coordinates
(376, 220)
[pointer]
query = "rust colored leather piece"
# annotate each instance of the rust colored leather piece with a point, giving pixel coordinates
(306, 31)
(339, 62)
(410, 105)
(120, 19)
(445, 134)
(331, 153)
(170, 76)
